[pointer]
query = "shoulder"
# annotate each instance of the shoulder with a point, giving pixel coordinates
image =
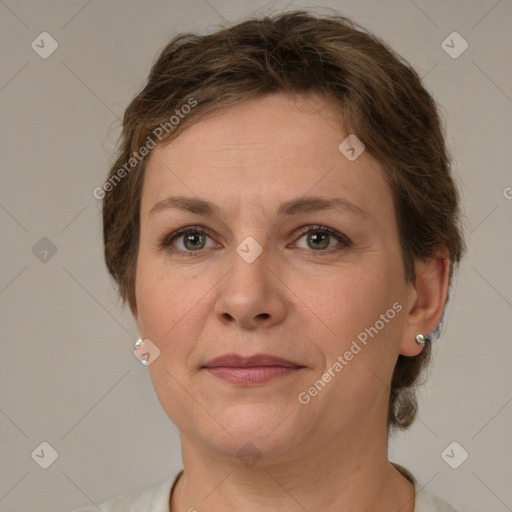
(154, 499)
(425, 502)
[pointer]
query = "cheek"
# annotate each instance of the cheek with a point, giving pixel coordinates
(168, 313)
(356, 297)
(162, 302)
(362, 306)
(365, 316)
(172, 308)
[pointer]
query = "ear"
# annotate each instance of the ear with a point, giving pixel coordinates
(426, 300)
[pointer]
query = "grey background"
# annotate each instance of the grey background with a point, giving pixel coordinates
(67, 372)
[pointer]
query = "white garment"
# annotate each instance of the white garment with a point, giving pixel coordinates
(156, 499)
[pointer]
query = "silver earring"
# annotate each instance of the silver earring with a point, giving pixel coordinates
(138, 344)
(422, 340)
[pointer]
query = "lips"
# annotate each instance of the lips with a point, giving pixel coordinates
(250, 371)
(258, 360)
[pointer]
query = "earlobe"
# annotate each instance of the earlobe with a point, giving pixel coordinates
(427, 301)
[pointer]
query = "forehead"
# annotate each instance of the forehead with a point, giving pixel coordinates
(262, 151)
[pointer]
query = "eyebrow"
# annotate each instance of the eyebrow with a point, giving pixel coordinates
(296, 206)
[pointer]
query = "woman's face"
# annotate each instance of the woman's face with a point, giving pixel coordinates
(248, 279)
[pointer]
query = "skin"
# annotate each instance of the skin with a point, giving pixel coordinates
(299, 300)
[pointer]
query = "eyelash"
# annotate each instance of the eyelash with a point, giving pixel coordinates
(166, 241)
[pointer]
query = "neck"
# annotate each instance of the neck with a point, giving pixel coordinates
(336, 475)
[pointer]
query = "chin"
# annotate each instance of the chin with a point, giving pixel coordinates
(262, 428)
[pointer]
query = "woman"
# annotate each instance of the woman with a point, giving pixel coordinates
(282, 222)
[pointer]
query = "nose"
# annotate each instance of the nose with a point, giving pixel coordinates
(251, 295)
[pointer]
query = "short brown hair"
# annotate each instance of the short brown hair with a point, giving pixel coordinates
(383, 102)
